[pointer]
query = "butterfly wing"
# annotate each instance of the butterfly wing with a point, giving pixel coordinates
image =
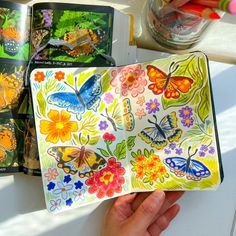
(91, 92)
(128, 116)
(95, 161)
(153, 136)
(197, 171)
(158, 79)
(177, 165)
(168, 125)
(176, 85)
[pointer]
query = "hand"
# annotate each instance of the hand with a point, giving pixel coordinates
(141, 214)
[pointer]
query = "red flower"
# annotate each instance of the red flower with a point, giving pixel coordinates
(59, 75)
(39, 76)
(109, 137)
(107, 181)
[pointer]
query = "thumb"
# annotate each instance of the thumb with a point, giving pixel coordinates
(147, 211)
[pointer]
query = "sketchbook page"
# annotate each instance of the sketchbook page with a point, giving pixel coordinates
(75, 25)
(80, 136)
(14, 52)
(175, 144)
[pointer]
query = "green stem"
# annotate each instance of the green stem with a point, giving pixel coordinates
(109, 150)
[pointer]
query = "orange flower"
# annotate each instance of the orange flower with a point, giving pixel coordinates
(154, 176)
(140, 174)
(59, 127)
(39, 76)
(60, 75)
(140, 158)
(162, 170)
(151, 164)
(156, 158)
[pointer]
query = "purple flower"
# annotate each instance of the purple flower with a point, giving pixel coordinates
(186, 112)
(172, 146)
(187, 122)
(109, 98)
(202, 154)
(178, 151)
(211, 150)
(67, 179)
(69, 202)
(152, 106)
(103, 125)
(47, 15)
(78, 184)
(167, 151)
(51, 186)
(204, 148)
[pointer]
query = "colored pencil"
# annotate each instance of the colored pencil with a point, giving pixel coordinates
(200, 10)
(224, 5)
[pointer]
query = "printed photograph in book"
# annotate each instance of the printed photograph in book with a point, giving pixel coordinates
(82, 30)
(105, 132)
(14, 33)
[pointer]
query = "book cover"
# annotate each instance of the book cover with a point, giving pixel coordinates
(105, 132)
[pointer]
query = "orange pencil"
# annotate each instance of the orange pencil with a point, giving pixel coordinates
(200, 10)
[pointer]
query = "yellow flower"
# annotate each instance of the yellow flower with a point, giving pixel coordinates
(60, 126)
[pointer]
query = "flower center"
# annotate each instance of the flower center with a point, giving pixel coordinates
(63, 190)
(153, 105)
(130, 79)
(107, 177)
(187, 121)
(186, 112)
(55, 204)
(59, 125)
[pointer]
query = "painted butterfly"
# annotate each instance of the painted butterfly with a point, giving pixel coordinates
(78, 39)
(159, 134)
(121, 117)
(88, 97)
(10, 88)
(74, 159)
(172, 86)
(37, 36)
(7, 142)
(192, 169)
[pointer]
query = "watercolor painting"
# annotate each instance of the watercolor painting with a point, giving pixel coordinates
(105, 132)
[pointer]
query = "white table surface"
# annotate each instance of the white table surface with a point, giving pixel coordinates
(207, 213)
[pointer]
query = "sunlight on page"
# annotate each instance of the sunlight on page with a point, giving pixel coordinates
(6, 181)
(227, 129)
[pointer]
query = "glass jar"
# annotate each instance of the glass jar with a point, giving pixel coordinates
(173, 28)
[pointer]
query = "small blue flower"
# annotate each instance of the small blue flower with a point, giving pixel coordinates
(69, 202)
(178, 151)
(211, 150)
(62, 189)
(79, 195)
(202, 154)
(51, 186)
(55, 204)
(172, 146)
(78, 184)
(204, 148)
(167, 151)
(67, 179)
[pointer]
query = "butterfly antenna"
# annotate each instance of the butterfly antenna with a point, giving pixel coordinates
(88, 139)
(76, 85)
(80, 139)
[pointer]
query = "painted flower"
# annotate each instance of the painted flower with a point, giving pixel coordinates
(109, 98)
(103, 125)
(140, 113)
(172, 146)
(79, 195)
(78, 184)
(187, 122)
(107, 181)
(67, 179)
(109, 137)
(129, 80)
(211, 150)
(51, 174)
(55, 204)
(59, 128)
(204, 148)
(186, 112)
(141, 100)
(39, 76)
(51, 186)
(69, 202)
(178, 151)
(59, 75)
(152, 106)
(167, 151)
(62, 189)
(202, 154)
(47, 15)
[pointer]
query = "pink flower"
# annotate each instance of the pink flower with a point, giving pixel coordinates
(107, 181)
(51, 174)
(109, 137)
(140, 113)
(129, 80)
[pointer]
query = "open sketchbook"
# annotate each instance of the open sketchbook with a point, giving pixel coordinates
(52, 34)
(105, 132)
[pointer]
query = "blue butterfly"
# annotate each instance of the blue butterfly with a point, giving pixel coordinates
(161, 133)
(192, 169)
(88, 97)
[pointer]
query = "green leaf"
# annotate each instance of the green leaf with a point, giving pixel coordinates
(75, 136)
(133, 154)
(120, 151)
(94, 140)
(41, 103)
(130, 142)
(146, 153)
(133, 163)
(204, 106)
(146, 180)
(104, 152)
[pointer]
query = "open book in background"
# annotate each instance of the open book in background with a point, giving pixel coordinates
(105, 132)
(87, 32)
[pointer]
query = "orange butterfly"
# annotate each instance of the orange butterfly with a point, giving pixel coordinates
(172, 86)
(10, 88)
(7, 142)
